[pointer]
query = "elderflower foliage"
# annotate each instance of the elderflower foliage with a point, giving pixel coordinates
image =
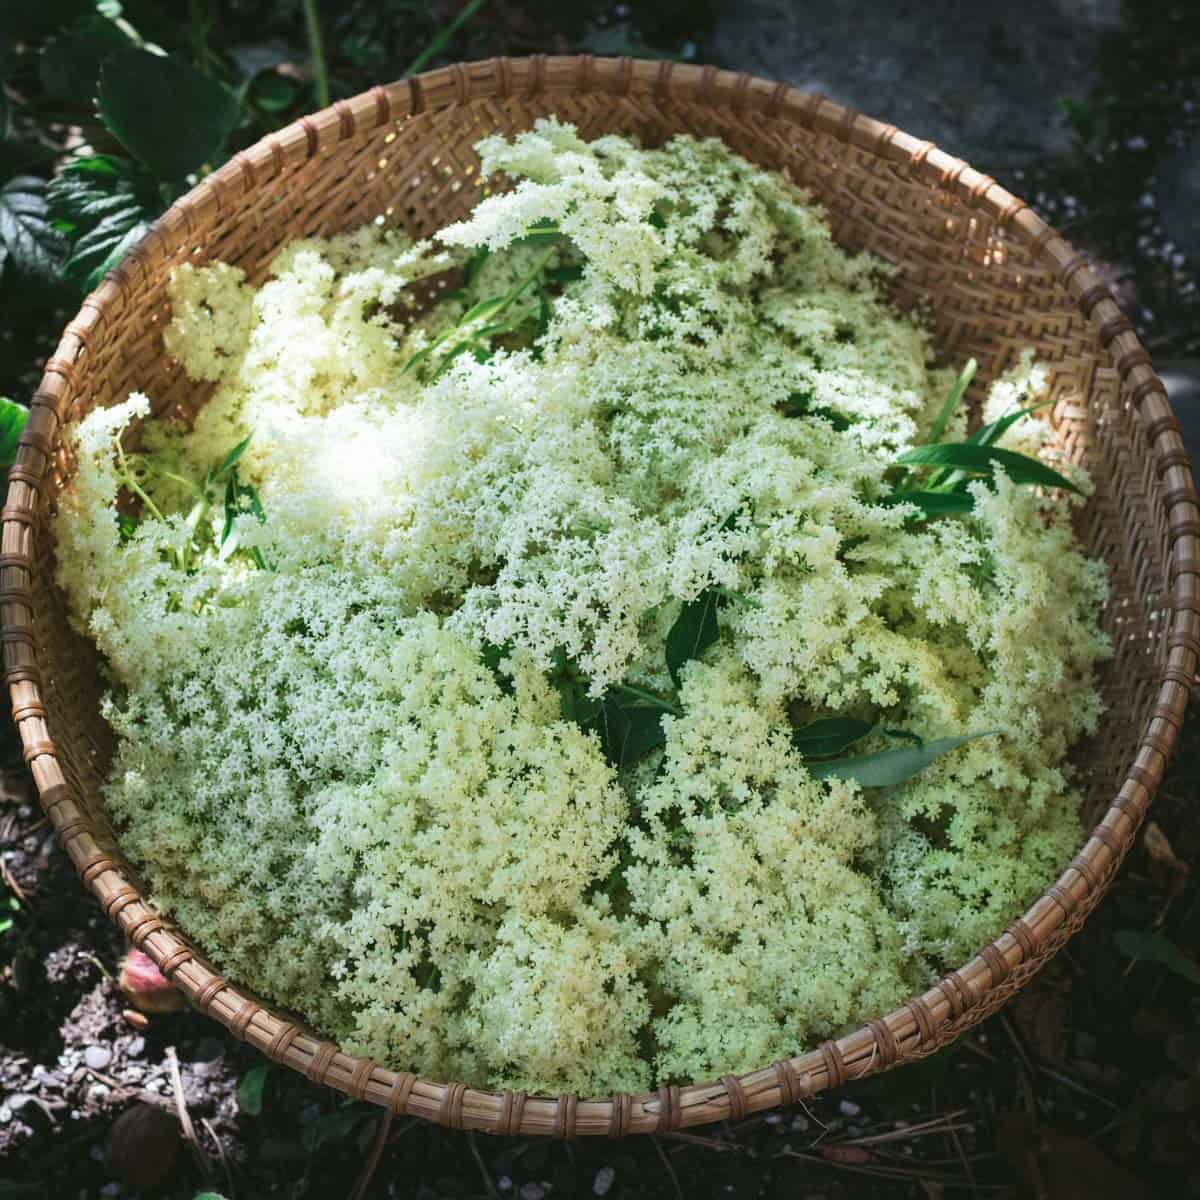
(327, 785)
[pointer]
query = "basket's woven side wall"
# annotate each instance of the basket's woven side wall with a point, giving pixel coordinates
(995, 279)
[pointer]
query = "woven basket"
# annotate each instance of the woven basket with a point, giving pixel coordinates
(995, 279)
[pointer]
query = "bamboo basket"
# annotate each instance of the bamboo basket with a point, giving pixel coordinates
(995, 279)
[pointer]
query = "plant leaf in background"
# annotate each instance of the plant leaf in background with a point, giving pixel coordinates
(890, 768)
(69, 64)
(1153, 947)
(983, 460)
(103, 204)
(250, 1089)
(12, 425)
(29, 245)
(24, 20)
(164, 112)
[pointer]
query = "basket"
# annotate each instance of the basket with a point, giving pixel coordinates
(995, 279)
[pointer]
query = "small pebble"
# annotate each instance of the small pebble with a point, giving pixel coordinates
(532, 1191)
(504, 1183)
(111, 1189)
(97, 1057)
(849, 1109)
(5, 1114)
(96, 1093)
(604, 1181)
(137, 1047)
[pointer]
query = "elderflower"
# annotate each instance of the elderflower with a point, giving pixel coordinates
(359, 620)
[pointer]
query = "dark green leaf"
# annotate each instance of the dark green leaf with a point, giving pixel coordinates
(26, 20)
(475, 264)
(952, 400)
(334, 1126)
(695, 629)
(29, 245)
(272, 92)
(932, 504)
(830, 735)
(889, 768)
(164, 112)
(69, 65)
(104, 204)
(250, 1089)
(987, 435)
(627, 733)
(800, 404)
(12, 425)
(963, 456)
(1153, 947)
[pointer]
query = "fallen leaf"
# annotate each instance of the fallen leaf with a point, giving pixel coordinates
(1050, 1165)
(143, 1145)
(1168, 872)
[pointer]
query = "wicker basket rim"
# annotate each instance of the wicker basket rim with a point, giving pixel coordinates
(925, 1022)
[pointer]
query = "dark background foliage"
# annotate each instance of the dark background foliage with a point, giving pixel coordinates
(1088, 1084)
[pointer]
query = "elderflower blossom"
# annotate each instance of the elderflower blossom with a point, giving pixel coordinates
(343, 763)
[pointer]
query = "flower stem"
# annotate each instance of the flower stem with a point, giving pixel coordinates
(316, 52)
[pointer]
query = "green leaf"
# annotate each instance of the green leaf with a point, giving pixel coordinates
(799, 404)
(889, 768)
(695, 629)
(250, 1089)
(69, 65)
(12, 424)
(334, 1126)
(103, 204)
(628, 732)
(983, 460)
(164, 112)
(272, 92)
(230, 460)
(932, 504)
(1153, 947)
(987, 435)
(830, 735)
(29, 244)
(952, 400)
(208, 1196)
(27, 20)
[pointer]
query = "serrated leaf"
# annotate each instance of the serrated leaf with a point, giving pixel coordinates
(952, 400)
(890, 768)
(250, 1089)
(983, 460)
(695, 629)
(1153, 947)
(29, 244)
(12, 424)
(166, 113)
(932, 504)
(69, 64)
(830, 735)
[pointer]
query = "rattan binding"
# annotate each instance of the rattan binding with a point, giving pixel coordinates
(996, 278)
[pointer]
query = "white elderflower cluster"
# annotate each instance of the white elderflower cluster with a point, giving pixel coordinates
(406, 740)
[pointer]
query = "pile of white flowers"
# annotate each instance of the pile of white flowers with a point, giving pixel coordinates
(368, 666)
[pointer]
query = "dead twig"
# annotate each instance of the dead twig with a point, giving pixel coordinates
(667, 1163)
(940, 1124)
(13, 885)
(383, 1129)
(487, 1175)
(185, 1118)
(212, 1133)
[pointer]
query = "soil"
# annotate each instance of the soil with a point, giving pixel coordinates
(1086, 1085)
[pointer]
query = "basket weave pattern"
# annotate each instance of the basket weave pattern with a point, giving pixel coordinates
(995, 279)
